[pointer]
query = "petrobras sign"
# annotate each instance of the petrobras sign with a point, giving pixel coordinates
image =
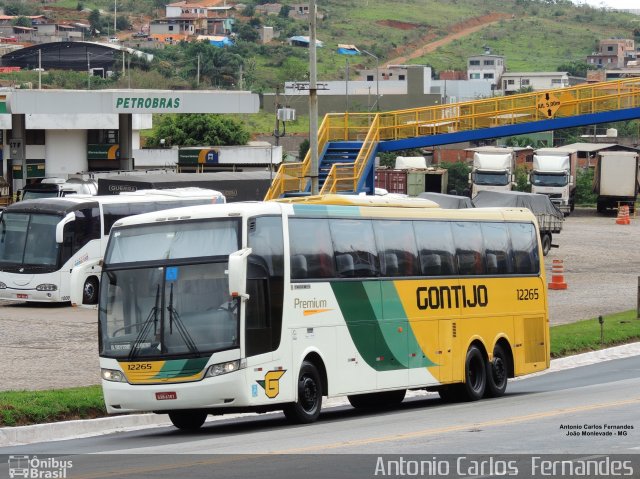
(135, 102)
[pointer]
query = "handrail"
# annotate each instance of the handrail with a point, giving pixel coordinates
(453, 117)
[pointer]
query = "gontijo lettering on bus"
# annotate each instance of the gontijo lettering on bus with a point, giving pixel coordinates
(132, 103)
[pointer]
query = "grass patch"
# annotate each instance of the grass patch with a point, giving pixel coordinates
(582, 336)
(19, 408)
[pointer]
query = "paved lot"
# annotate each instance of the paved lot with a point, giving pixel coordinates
(44, 346)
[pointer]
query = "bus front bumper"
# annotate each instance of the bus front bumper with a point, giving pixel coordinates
(225, 391)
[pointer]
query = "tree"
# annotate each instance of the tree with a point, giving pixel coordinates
(22, 22)
(198, 130)
(458, 176)
(577, 68)
(303, 149)
(95, 20)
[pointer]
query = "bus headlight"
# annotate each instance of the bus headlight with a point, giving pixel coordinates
(2, 285)
(46, 287)
(223, 368)
(113, 375)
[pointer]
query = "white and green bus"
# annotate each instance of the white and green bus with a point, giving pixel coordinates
(272, 305)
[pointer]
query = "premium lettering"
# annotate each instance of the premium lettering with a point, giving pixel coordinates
(447, 297)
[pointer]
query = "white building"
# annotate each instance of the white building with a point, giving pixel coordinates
(511, 82)
(486, 67)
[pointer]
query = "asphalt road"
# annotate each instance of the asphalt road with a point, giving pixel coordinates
(535, 416)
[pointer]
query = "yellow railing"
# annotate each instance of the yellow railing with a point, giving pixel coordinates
(450, 118)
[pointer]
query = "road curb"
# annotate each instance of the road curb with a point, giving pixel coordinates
(15, 436)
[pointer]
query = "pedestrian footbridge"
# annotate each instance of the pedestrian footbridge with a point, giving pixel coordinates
(348, 142)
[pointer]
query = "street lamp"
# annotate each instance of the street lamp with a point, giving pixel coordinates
(377, 78)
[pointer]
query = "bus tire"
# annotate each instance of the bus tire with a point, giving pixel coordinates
(546, 243)
(307, 408)
(377, 400)
(188, 420)
(475, 375)
(497, 373)
(90, 291)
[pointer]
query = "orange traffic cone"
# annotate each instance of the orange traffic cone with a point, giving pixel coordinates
(623, 215)
(557, 275)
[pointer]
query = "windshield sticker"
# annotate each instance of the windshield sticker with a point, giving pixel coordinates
(81, 259)
(171, 274)
(271, 383)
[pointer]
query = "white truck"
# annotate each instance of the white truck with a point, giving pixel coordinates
(617, 179)
(553, 174)
(493, 170)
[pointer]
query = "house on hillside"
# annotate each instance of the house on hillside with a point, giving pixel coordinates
(486, 67)
(191, 19)
(613, 53)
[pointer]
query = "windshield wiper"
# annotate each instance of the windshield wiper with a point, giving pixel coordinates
(173, 314)
(151, 318)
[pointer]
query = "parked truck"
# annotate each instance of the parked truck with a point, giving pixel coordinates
(617, 179)
(493, 170)
(553, 174)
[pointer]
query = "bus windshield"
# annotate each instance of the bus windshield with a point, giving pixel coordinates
(35, 194)
(165, 291)
(549, 179)
(496, 178)
(29, 240)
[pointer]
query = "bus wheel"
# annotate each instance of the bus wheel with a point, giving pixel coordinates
(497, 373)
(90, 291)
(475, 373)
(377, 400)
(188, 420)
(307, 408)
(546, 243)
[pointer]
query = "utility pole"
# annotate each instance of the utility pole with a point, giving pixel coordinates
(198, 72)
(115, 16)
(313, 99)
(88, 71)
(39, 69)
(129, 70)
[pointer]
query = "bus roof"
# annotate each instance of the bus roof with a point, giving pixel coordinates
(68, 203)
(320, 209)
(361, 200)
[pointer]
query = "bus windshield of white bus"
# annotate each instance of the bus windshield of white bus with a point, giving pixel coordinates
(165, 291)
(29, 240)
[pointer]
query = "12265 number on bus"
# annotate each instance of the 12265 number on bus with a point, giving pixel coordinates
(527, 294)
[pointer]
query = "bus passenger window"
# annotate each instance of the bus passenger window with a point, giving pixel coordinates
(497, 248)
(436, 248)
(354, 238)
(469, 247)
(525, 248)
(396, 247)
(299, 268)
(310, 239)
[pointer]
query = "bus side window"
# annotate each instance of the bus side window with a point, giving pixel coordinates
(497, 248)
(525, 248)
(435, 247)
(396, 247)
(355, 238)
(310, 239)
(469, 247)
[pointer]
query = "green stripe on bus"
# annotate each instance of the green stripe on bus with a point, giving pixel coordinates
(326, 210)
(359, 310)
(181, 367)
(394, 312)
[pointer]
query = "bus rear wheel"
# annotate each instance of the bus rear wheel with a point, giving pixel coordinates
(307, 408)
(377, 400)
(475, 373)
(188, 420)
(90, 291)
(497, 373)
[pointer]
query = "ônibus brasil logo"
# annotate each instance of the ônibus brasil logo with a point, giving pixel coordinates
(34, 468)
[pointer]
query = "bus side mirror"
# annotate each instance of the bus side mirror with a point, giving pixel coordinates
(238, 273)
(60, 227)
(570, 179)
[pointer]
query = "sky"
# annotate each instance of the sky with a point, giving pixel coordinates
(611, 3)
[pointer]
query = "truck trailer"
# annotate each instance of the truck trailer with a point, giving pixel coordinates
(616, 180)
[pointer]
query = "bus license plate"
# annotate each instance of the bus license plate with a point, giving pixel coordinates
(166, 395)
(22, 296)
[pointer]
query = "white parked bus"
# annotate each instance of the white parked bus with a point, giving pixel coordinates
(50, 248)
(273, 305)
